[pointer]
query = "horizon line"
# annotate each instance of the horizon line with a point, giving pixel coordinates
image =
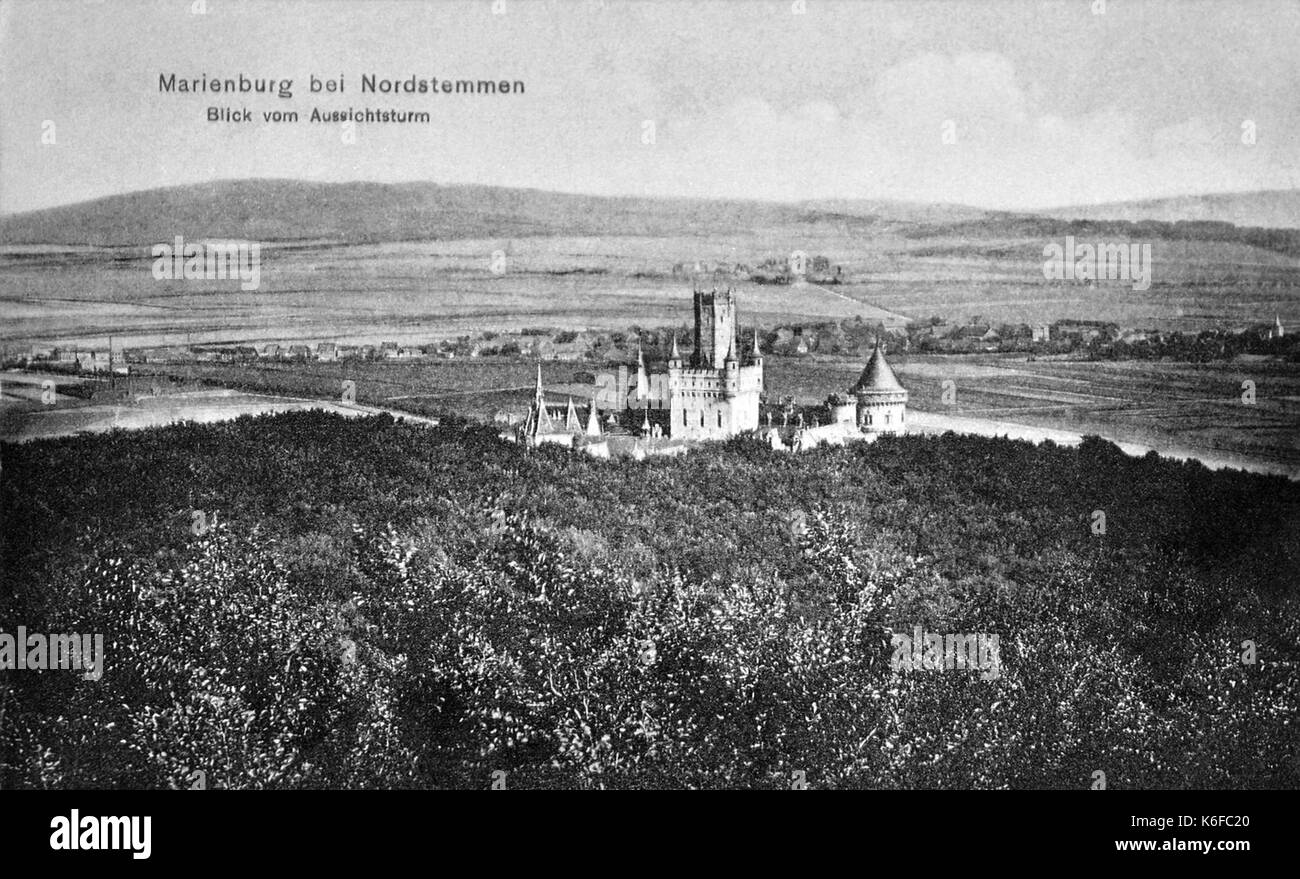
(664, 198)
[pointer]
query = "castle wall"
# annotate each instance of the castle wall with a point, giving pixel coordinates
(713, 403)
(835, 434)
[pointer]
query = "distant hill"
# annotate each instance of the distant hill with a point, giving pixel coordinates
(1273, 209)
(296, 210)
(291, 210)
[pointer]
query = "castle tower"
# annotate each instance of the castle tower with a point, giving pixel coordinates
(714, 394)
(715, 328)
(882, 401)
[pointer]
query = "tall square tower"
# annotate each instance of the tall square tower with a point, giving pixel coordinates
(715, 395)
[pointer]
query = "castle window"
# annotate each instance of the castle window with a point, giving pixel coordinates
(887, 417)
(868, 418)
(719, 418)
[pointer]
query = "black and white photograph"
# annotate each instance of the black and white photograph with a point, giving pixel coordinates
(614, 395)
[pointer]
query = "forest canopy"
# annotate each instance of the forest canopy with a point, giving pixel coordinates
(368, 602)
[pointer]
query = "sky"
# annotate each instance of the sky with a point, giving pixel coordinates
(998, 104)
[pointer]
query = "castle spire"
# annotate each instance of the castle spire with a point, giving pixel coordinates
(642, 380)
(676, 354)
(593, 420)
(539, 420)
(571, 421)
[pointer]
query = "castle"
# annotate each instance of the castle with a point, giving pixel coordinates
(715, 393)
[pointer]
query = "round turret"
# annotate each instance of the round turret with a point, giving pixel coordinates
(882, 401)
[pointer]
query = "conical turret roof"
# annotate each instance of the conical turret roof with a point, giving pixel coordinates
(878, 377)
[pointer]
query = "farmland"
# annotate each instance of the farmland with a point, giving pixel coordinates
(421, 264)
(414, 292)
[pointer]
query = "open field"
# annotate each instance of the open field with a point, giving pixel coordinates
(414, 292)
(370, 293)
(627, 263)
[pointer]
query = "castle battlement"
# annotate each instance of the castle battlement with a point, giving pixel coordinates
(715, 393)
